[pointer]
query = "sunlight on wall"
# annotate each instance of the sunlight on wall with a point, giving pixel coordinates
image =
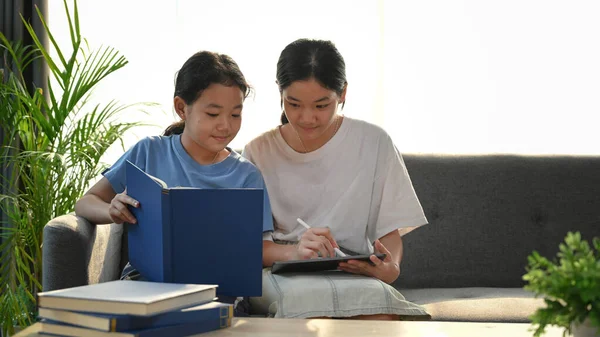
(483, 76)
(444, 77)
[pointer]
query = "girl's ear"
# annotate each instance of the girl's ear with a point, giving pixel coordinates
(343, 95)
(179, 105)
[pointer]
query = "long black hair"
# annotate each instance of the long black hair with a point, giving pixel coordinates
(304, 59)
(198, 73)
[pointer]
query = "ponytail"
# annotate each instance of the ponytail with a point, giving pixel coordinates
(175, 128)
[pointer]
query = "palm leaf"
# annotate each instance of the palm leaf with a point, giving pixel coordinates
(46, 55)
(53, 147)
(100, 64)
(18, 54)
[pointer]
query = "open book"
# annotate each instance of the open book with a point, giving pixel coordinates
(196, 235)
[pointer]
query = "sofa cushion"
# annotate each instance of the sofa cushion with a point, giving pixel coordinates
(104, 260)
(64, 252)
(76, 252)
(476, 304)
(487, 213)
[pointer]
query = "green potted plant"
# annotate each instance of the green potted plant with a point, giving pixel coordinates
(53, 144)
(570, 285)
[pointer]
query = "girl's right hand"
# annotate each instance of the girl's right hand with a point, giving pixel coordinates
(118, 210)
(314, 243)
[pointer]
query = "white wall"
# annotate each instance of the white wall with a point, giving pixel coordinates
(440, 76)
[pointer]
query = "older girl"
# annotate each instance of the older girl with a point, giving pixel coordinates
(344, 177)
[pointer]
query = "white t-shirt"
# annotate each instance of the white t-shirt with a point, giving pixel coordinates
(356, 184)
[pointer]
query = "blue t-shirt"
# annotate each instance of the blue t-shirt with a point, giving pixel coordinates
(165, 158)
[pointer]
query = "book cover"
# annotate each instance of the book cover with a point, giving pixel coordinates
(127, 297)
(187, 329)
(196, 235)
(119, 323)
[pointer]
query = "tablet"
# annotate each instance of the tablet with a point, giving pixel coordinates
(318, 264)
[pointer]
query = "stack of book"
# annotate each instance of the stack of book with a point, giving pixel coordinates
(133, 308)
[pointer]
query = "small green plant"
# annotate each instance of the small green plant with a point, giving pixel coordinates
(570, 285)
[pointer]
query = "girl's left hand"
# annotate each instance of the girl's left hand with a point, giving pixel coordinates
(386, 270)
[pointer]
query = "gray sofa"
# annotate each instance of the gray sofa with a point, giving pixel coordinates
(486, 214)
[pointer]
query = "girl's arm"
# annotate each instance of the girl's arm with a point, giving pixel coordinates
(393, 242)
(101, 205)
(277, 252)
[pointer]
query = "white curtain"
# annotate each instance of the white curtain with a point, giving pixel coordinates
(513, 76)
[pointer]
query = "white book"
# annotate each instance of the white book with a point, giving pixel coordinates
(128, 297)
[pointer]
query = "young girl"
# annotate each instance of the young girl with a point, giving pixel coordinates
(347, 180)
(209, 94)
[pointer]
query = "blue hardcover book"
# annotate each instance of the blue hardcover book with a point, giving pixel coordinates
(186, 329)
(212, 311)
(195, 235)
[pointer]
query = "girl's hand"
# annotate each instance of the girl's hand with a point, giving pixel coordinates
(386, 270)
(118, 208)
(315, 242)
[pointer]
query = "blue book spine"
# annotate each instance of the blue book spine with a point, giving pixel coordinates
(167, 242)
(222, 314)
(184, 329)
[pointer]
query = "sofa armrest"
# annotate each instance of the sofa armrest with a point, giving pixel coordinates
(76, 252)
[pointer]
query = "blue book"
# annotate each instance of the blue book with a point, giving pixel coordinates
(213, 311)
(185, 329)
(196, 235)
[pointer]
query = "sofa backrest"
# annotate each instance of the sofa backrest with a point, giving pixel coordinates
(487, 213)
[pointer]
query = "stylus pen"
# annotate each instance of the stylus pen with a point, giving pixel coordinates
(337, 250)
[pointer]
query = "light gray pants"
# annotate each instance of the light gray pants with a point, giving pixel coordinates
(330, 294)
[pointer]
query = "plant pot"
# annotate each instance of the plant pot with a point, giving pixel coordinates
(585, 329)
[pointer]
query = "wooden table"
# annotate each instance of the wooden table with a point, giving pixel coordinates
(272, 327)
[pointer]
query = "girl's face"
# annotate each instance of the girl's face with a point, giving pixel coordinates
(215, 118)
(310, 107)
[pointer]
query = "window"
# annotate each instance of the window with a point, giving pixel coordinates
(439, 76)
